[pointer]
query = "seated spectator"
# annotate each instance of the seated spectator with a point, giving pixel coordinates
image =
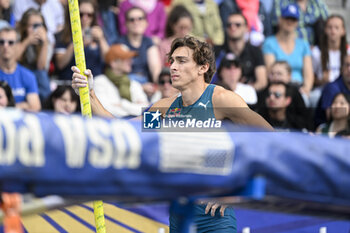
(154, 12)
(95, 44)
(6, 12)
(284, 46)
(165, 89)
(328, 58)
(63, 100)
(312, 15)
(258, 20)
(251, 57)
(229, 75)
(341, 84)
(276, 111)
(35, 50)
(21, 80)
(52, 11)
(179, 24)
(146, 66)
(118, 94)
(339, 116)
(207, 23)
(6, 97)
(281, 72)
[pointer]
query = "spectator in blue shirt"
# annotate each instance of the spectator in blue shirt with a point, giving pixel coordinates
(21, 80)
(285, 46)
(312, 15)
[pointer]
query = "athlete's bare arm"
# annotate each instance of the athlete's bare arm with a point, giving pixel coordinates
(229, 105)
(79, 80)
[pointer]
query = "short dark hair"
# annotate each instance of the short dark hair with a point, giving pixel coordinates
(8, 92)
(202, 53)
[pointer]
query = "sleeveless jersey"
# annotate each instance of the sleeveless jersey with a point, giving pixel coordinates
(202, 109)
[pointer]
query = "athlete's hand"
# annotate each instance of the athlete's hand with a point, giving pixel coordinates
(212, 207)
(79, 80)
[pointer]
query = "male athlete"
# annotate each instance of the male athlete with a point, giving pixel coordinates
(192, 67)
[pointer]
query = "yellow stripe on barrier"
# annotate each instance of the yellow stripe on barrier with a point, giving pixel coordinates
(84, 92)
(36, 224)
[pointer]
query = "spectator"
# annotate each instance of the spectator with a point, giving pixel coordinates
(95, 44)
(281, 72)
(63, 100)
(341, 84)
(229, 75)
(258, 20)
(276, 111)
(154, 12)
(108, 11)
(312, 15)
(206, 19)
(146, 66)
(251, 57)
(52, 11)
(6, 12)
(22, 81)
(166, 90)
(339, 116)
(119, 95)
(328, 58)
(284, 46)
(6, 97)
(179, 24)
(35, 50)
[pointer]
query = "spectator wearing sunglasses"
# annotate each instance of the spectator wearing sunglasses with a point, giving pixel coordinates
(276, 112)
(281, 72)
(154, 13)
(52, 11)
(21, 80)
(251, 57)
(146, 66)
(35, 49)
(6, 97)
(95, 44)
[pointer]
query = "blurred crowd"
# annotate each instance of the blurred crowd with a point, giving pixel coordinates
(288, 59)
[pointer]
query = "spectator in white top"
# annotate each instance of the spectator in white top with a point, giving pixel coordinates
(229, 75)
(327, 59)
(118, 94)
(52, 11)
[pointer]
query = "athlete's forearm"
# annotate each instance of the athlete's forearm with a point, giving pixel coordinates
(96, 106)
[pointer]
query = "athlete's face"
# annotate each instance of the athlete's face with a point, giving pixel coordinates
(183, 69)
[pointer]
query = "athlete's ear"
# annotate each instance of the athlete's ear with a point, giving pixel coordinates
(203, 69)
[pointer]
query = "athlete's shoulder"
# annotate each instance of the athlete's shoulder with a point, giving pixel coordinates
(226, 98)
(163, 104)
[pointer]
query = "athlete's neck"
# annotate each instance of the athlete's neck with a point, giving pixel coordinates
(192, 94)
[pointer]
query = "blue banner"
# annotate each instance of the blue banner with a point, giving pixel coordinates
(69, 155)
